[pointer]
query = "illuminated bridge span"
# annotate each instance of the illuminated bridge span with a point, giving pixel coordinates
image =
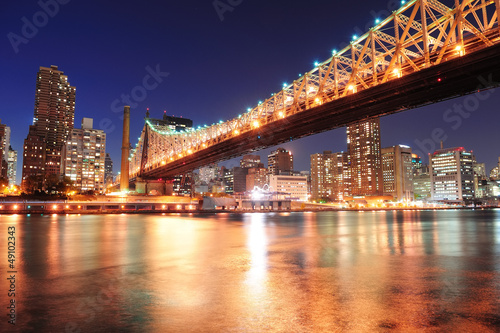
(423, 53)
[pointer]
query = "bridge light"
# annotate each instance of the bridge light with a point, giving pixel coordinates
(352, 87)
(316, 64)
(256, 124)
(281, 114)
(171, 158)
(203, 145)
(15, 206)
(354, 37)
(334, 52)
(317, 100)
(403, 2)
(236, 132)
(377, 21)
(284, 84)
(180, 155)
(55, 206)
(460, 50)
(163, 162)
(190, 151)
(397, 72)
(249, 109)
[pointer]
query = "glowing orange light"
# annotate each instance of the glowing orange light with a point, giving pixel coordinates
(55, 206)
(256, 124)
(15, 206)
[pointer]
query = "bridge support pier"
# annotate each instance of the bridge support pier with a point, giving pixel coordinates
(155, 187)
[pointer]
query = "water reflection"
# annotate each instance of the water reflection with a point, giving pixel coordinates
(331, 271)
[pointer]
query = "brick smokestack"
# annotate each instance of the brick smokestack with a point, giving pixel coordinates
(125, 150)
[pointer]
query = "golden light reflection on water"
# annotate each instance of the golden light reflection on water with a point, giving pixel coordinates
(347, 271)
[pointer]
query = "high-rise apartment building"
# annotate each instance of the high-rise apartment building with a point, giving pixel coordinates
(397, 170)
(4, 149)
(364, 152)
(108, 170)
(280, 161)
(85, 154)
(12, 166)
(452, 175)
(329, 177)
(256, 177)
(52, 123)
(209, 173)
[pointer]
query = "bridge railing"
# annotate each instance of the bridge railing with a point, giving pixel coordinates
(420, 34)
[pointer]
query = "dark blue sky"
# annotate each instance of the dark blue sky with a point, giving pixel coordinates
(216, 68)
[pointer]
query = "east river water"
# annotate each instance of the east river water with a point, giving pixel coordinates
(257, 272)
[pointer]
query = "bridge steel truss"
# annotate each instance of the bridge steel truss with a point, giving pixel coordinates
(418, 36)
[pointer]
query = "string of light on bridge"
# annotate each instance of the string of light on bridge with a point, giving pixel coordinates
(421, 30)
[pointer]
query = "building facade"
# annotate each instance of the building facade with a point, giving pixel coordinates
(365, 161)
(279, 161)
(108, 170)
(12, 166)
(294, 187)
(4, 149)
(256, 177)
(52, 122)
(85, 155)
(250, 161)
(329, 176)
(452, 175)
(397, 171)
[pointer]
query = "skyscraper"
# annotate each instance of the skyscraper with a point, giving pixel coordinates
(328, 176)
(52, 123)
(280, 161)
(452, 175)
(108, 170)
(397, 170)
(4, 149)
(85, 157)
(364, 153)
(12, 165)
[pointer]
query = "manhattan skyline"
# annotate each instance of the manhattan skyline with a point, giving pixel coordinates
(195, 65)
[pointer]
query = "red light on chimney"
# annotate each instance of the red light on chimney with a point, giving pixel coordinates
(439, 79)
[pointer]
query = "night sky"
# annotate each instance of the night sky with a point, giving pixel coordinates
(217, 65)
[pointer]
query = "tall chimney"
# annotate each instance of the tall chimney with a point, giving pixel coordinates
(125, 150)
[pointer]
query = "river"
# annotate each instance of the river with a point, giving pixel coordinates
(254, 272)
